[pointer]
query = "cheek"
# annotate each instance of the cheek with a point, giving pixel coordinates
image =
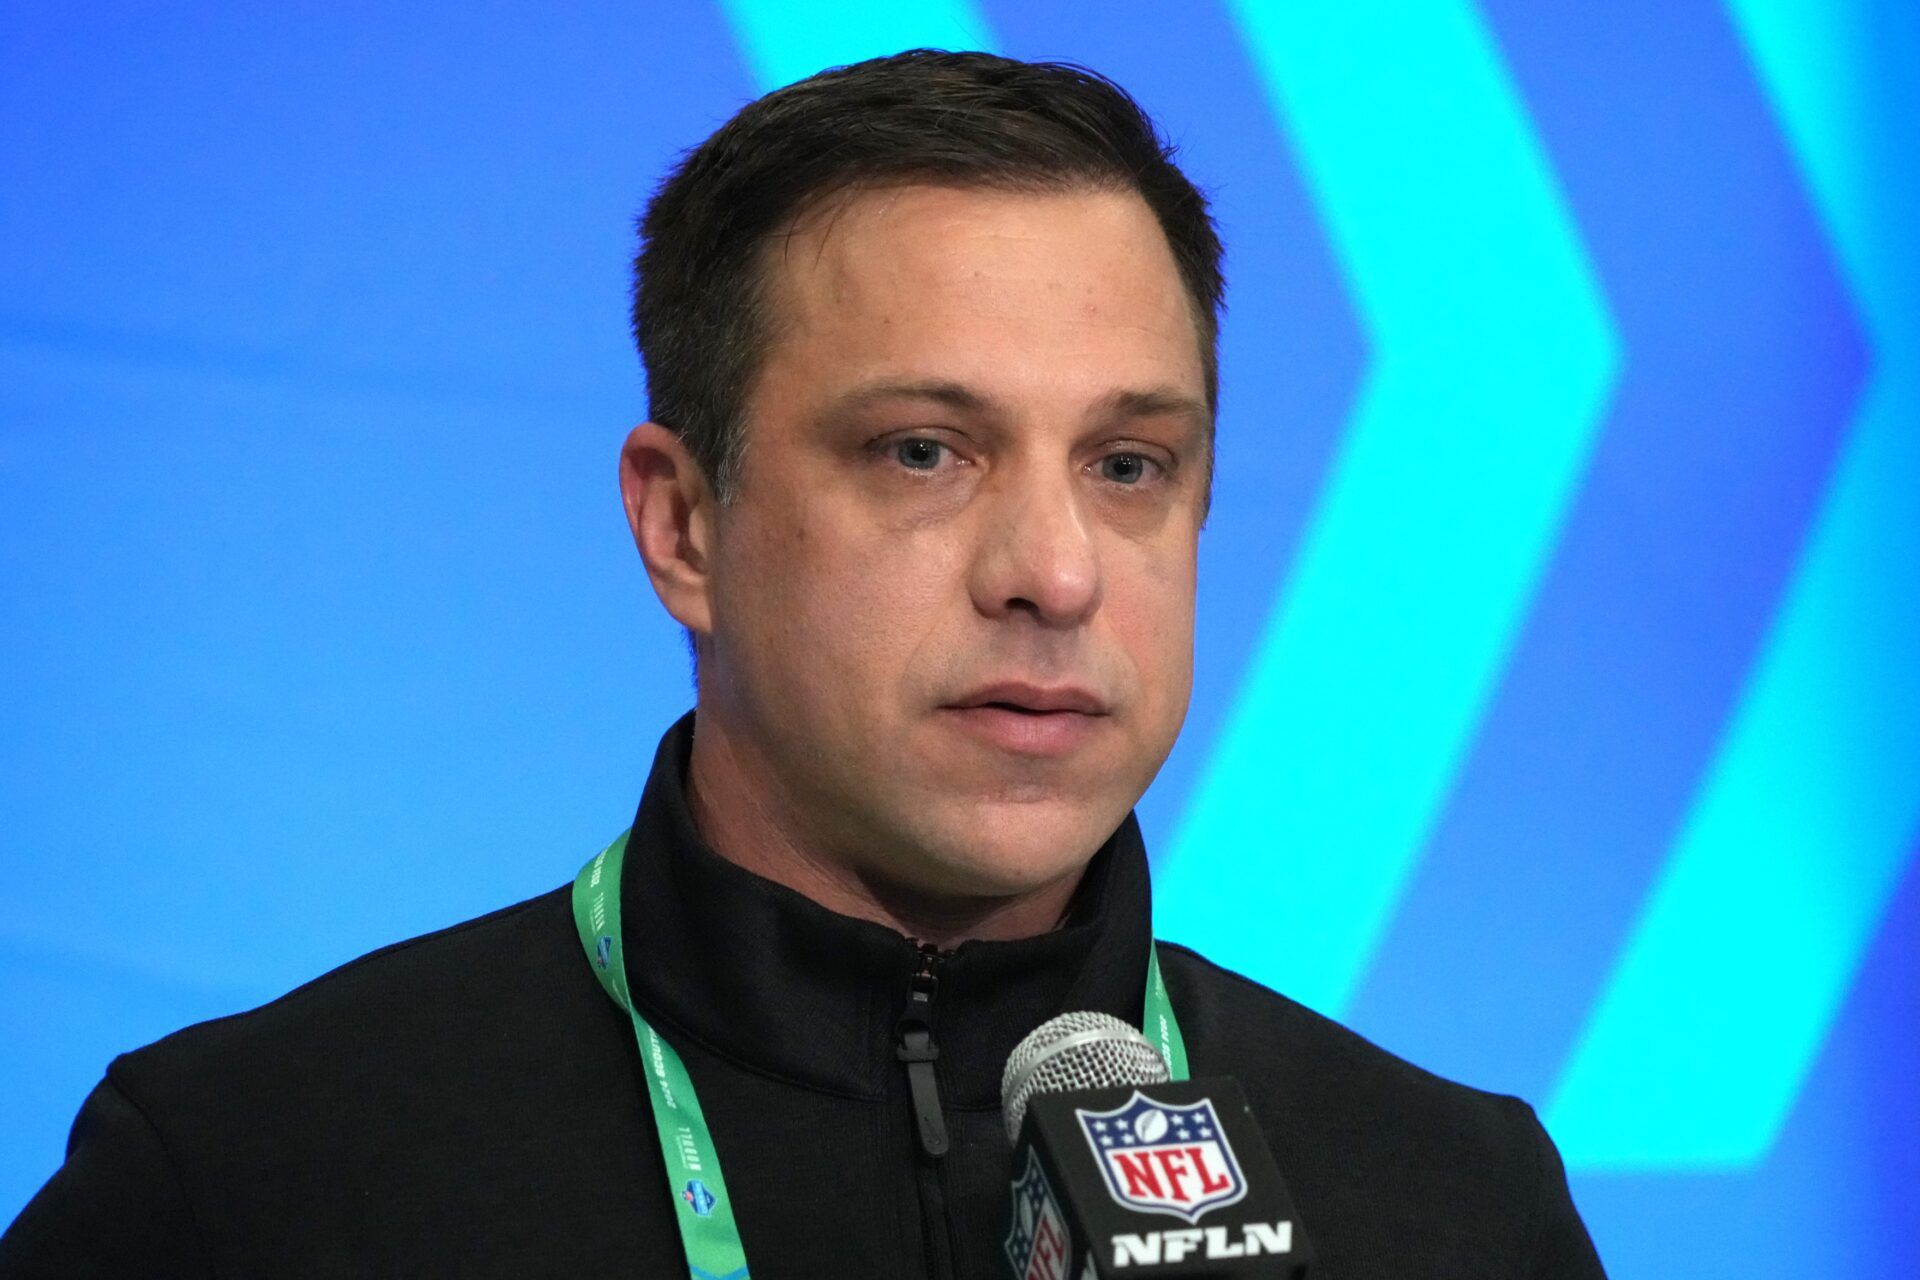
(1150, 601)
(903, 589)
(849, 603)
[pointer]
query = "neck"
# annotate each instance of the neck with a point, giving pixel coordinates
(741, 821)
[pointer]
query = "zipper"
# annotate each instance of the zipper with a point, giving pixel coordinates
(916, 1050)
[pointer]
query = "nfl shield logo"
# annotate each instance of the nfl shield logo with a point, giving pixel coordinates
(1037, 1240)
(1161, 1158)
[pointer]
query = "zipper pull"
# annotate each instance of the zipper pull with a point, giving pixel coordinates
(918, 1051)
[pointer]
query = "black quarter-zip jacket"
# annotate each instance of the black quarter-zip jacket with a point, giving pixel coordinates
(471, 1103)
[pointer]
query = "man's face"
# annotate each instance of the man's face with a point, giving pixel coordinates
(952, 597)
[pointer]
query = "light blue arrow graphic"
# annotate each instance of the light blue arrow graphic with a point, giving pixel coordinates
(1732, 977)
(1493, 357)
(786, 40)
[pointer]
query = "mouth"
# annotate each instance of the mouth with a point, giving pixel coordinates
(1034, 700)
(1029, 720)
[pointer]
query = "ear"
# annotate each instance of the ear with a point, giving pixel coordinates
(670, 508)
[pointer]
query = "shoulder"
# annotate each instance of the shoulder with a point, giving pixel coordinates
(434, 1079)
(460, 1013)
(431, 979)
(1235, 1024)
(1376, 1149)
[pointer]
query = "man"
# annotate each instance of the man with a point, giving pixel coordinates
(931, 357)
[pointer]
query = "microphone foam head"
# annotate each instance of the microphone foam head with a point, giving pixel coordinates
(1082, 1050)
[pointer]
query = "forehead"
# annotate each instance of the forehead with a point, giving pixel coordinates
(1064, 293)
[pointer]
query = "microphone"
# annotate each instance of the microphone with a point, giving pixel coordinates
(1118, 1171)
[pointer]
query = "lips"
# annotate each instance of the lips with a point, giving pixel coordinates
(1034, 699)
(1029, 720)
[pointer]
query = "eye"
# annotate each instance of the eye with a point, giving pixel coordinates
(917, 453)
(1125, 468)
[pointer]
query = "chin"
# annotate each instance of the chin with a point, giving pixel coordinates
(1009, 848)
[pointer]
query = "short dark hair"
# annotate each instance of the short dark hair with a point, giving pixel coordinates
(700, 314)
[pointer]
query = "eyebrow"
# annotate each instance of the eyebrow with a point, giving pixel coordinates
(1152, 402)
(1148, 402)
(953, 395)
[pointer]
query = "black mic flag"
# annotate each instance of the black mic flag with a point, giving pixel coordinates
(1118, 1171)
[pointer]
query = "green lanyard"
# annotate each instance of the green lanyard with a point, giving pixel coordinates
(701, 1204)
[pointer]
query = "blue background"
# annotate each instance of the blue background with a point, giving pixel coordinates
(1562, 593)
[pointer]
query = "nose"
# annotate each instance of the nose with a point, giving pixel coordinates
(1037, 555)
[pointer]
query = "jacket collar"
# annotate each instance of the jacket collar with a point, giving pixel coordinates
(779, 984)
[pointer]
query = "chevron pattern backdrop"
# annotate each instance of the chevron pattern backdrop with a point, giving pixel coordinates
(1557, 720)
